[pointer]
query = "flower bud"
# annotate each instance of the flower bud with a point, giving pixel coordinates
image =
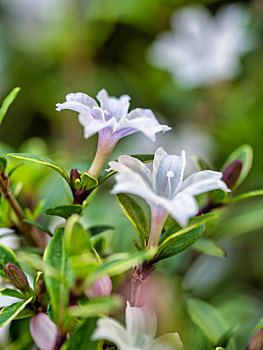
(17, 277)
(101, 287)
(256, 341)
(74, 175)
(232, 172)
(43, 331)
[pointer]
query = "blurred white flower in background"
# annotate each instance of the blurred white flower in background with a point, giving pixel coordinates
(201, 48)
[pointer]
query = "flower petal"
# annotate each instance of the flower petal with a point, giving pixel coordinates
(170, 341)
(116, 107)
(78, 102)
(141, 324)
(109, 329)
(169, 175)
(43, 331)
(142, 120)
(203, 181)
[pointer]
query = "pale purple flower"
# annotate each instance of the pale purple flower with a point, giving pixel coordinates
(139, 334)
(163, 188)
(43, 331)
(202, 48)
(101, 287)
(111, 120)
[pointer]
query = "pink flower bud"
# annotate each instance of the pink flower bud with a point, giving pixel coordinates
(102, 287)
(232, 172)
(43, 331)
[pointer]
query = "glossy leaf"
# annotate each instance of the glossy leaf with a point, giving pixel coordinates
(7, 102)
(88, 181)
(6, 256)
(64, 211)
(10, 312)
(3, 163)
(76, 239)
(80, 337)
(42, 160)
(8, 292)
(207, 246)
(95, 230)
(244, 153)
(58, 291)
(136, 215)
(208, 319)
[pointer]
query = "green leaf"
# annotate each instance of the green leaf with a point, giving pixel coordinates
(207, 246)
(36, 278)
(252, 194)
(64, 211)
(76, 238)
(8, 292)
(96, 307)
(80, 337)
(88, 181)
(258, 326)
(3, 163)
(7, 102)
(177, 239)
(6, 256)
(217, 196)
(136, 215)
(208, 319)
(144, 158)
(95, 230)
(244, 153)
(58, 291)
(38, 225)
(42, 160)
(10, 312)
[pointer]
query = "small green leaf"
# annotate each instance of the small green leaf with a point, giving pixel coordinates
(10, 312)
(95, 230)
(248, 195)
(80, 337)
(207, 246)
(244, 153)
(96, 307)
(8, 292)
(3, 163)
(258, 326)
(6, 256)
(56, 257)
(76, 239)
(88, 181)
(7, 102)
(36, 278)
(42, 160)
(208, 319)
(136, 215)
(38, 225)
(217, 196)
(64, 211)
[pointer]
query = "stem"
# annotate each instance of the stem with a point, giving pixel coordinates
(140, 275)
(31, 235)
(158, 217)
(99, 161)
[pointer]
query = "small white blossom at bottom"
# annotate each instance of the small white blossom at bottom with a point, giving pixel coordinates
(43, 331)
(141, 325)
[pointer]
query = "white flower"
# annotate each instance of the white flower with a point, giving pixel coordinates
(163, 188)
(139, 333)
(111, 121)
(201, 48)
(112, 116)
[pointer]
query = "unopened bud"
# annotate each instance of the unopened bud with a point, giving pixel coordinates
(256, 341)
(43, 331)
(232, 172)
(17, 277)
(101, 288)
(74, 175)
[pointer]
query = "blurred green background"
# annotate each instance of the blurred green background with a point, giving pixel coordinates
(50, 48)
